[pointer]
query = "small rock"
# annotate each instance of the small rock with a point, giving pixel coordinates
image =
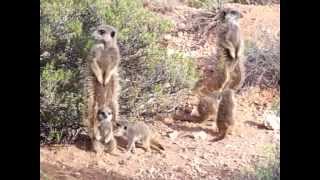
(173, 135)
(181, 26)
(272, 122)
(199, 135)
(167, 85)
(121, 162)
(167, 37)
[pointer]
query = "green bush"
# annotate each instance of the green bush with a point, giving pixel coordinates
(64, 44)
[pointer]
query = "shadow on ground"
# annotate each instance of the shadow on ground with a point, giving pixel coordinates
(49, 171)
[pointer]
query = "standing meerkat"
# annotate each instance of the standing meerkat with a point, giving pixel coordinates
(104, 55)
(104, 139)
(101, 76)
(230, 48)
(225, 118)
(137, 132)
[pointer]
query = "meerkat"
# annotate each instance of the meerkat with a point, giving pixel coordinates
(137, 132)
(206, 109)
(230, 47)
(104, 131)
(101, 76)
(225, 117)
(104, 56)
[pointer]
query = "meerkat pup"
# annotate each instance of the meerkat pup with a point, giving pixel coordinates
(104, 56)
(225, 118)
(137, 132)
(230, 45)
(206, 109)
(104, 139)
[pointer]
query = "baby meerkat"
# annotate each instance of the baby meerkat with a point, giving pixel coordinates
(104, 131)
(104, 56)
(137, 132)
(204, 110)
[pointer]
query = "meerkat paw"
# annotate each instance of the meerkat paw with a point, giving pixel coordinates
(100, 79)
(233, 54)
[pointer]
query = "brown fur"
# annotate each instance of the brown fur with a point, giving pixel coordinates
(205, 109)
(225, 118)
(230, 48)
(104, 139)
(138, 132)
(101, 78)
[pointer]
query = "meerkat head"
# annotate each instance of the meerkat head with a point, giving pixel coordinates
(105, 34)
(121, 128)
(230, 15)
(228, 94)
(105, 113)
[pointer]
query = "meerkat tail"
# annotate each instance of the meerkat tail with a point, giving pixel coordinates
(156, 143)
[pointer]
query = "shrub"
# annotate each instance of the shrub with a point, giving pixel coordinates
(263, 60)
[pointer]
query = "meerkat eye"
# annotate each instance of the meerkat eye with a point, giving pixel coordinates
(117, 124)
(102, 32)
(112, 34)
(125, 128)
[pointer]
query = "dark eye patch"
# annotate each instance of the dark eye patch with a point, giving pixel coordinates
(101, 31)
(125, 127)
(112, 34)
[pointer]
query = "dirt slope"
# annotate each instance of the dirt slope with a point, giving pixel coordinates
(186, 156)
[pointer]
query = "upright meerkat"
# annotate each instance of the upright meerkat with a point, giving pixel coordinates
(137, 132)
(101, 76)
(105, 56)
(230, 47)
(225, 118)
(104, 139)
